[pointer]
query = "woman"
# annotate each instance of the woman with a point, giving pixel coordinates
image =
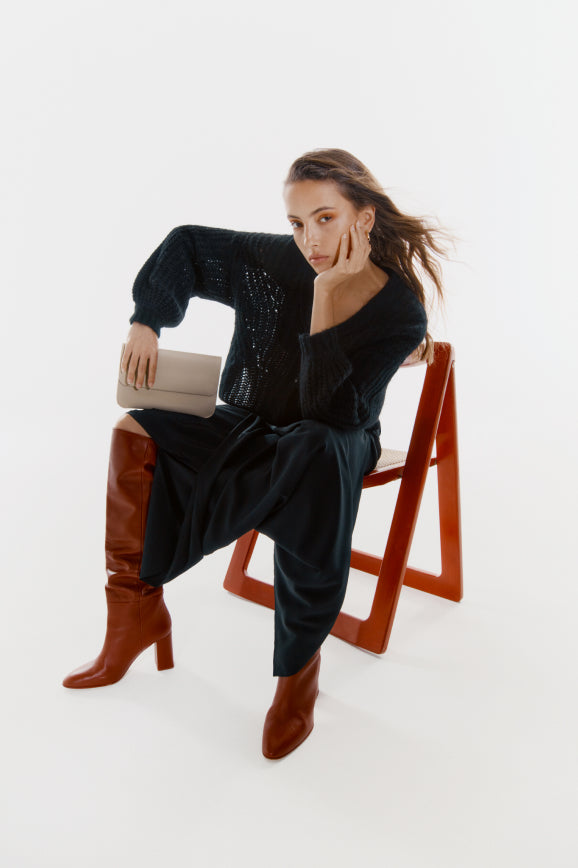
(323, 319)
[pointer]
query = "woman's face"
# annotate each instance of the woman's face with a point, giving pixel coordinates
(319, 215)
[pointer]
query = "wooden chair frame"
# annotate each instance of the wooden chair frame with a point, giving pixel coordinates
(435, 423)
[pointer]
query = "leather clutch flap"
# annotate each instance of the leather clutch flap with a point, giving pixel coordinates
(185, 383)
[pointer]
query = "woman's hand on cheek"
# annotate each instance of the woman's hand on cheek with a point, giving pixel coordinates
(352, 255)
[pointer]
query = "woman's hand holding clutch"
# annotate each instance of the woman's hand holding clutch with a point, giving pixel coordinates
(140, 355)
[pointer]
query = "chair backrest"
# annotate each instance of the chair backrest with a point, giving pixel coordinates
(418, 458)
(435, 424)
(429, 411)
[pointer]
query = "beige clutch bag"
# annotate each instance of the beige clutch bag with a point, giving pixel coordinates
(185, 383)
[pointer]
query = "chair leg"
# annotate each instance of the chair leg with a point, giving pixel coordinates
(448, 584)
(449, 485)
(373, 633)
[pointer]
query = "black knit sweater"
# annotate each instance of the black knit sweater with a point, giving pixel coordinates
(275, 367)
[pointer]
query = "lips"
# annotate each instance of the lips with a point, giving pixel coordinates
(316, 258)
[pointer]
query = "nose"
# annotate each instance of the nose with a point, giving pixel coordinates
(310, 237)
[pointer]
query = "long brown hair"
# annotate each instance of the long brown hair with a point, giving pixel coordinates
(397, 239)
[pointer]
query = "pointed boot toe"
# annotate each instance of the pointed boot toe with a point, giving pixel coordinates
(131, 628)
(93, 674)
(282, 735)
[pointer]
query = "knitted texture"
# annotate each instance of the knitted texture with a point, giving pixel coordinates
(275, 367)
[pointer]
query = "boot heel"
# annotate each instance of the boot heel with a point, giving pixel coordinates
(164, 652)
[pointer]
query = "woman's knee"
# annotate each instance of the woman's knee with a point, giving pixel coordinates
(129, 423)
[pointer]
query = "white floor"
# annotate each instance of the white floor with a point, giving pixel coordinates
(455, 748)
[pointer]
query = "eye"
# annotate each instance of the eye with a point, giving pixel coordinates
(325, 217)
(294, 224)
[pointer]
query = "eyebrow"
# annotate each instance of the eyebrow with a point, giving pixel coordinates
(317, 210)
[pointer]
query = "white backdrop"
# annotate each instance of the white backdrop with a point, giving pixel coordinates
(122, 120)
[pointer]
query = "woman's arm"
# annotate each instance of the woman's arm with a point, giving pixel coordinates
(343, 378)
(199, 261)
(322, 312)
(352, 255)
(192, 261)
(346, 365)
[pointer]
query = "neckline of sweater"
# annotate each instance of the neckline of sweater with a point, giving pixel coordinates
(393, 278)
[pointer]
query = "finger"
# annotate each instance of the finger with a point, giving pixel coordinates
(354, 258)
(153, 368)
(361, 235)
(125, 360)
(363, 245)
(132, 368)
(343, 245)
(355, 241)
(364, 235)
(140, 372)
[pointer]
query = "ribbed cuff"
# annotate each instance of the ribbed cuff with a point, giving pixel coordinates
(146, 317)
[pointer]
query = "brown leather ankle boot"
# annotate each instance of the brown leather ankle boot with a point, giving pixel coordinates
(137, 614)
(290, 719)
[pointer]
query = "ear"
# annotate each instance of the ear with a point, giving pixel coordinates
(366, 217)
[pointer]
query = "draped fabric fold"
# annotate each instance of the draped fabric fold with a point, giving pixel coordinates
(299, 484)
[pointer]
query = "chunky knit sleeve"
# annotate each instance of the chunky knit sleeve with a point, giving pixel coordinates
(197, 261)
(345, 370)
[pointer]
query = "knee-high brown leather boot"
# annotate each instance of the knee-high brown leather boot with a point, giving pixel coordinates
(137, 614)
(290, 719)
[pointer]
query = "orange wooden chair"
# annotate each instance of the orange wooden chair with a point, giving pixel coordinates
(435, 423)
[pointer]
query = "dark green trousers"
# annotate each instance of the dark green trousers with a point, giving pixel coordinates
(299, 484)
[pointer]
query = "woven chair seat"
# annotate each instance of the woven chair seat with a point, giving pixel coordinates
(390, 457)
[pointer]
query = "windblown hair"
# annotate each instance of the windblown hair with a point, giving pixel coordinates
(397, 240)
